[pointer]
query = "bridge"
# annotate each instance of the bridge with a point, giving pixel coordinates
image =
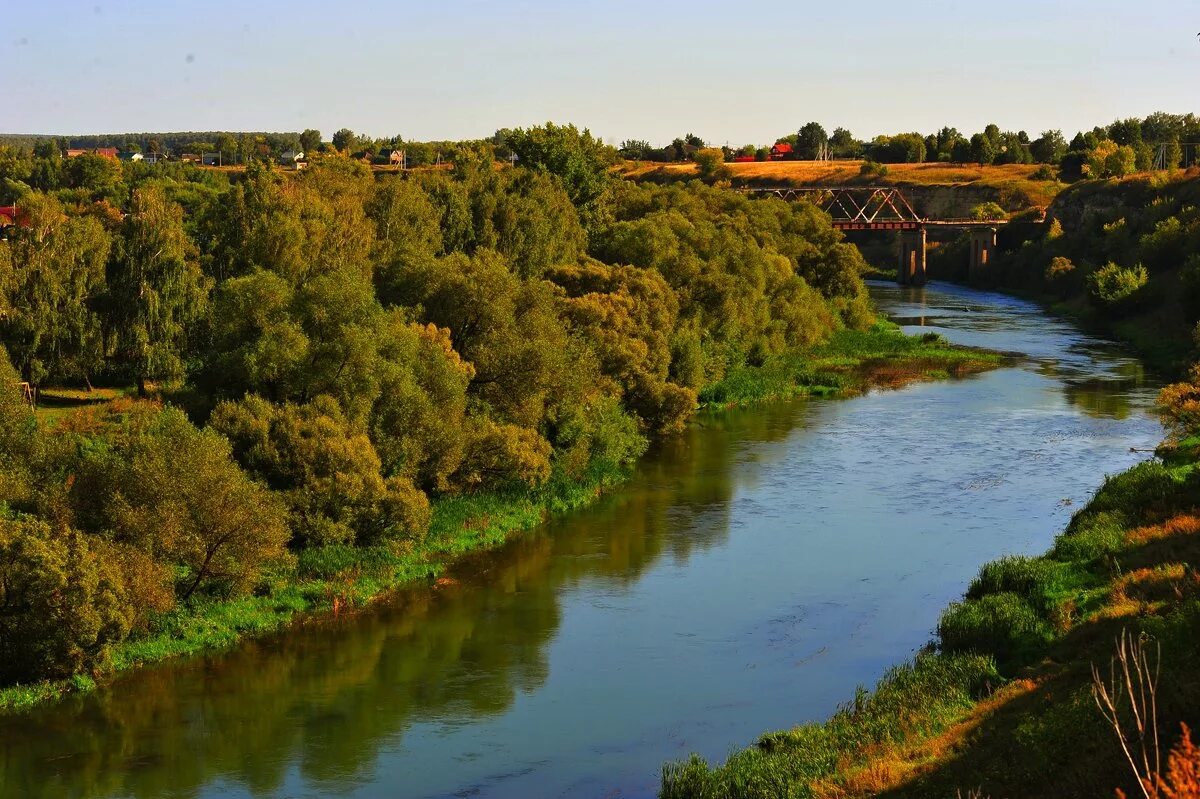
(887, 208)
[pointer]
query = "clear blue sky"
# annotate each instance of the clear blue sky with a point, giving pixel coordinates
(654, 69)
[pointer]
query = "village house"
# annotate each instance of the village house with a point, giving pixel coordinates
(190, 158)
(106, 152)
(291, 157)
(782, 151)
(131, 156)
(210, 159)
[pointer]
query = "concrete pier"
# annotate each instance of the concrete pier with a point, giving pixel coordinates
(983, 247)
(912, 258)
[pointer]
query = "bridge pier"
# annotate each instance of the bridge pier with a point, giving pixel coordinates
(912, 258)
(983, 248)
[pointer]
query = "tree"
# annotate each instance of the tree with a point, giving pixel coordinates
(711, 163)
(155, 288)
(843, 143)
(175, 492)
(636, 150)
(328, 472)
(310, 140)
(983, 149)
(1173, 155)
(1049, 148)
(577, 158)
(344, 139)
(55, 276)
(811, 141)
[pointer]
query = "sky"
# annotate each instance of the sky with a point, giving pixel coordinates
(729, 72)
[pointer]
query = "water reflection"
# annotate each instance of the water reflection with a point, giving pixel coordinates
(756, 569)
(317, 704)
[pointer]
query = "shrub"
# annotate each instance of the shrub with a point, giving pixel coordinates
(1002, 625)
(1112, 284)
(1059, 268)
(873, 169)
(61, 605)
(1045, 172)
(988, 210)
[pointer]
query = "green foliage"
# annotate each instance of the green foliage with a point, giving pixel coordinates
(61, 603)
(1112, 284)
(577, 158)
(1003, 625)
(873, 169)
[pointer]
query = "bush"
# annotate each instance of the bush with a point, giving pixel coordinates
(1059, 268)
(1002, 625)
(873, 169)
(61, 606)
(1112, 284)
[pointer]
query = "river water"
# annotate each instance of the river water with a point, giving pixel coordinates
(755, 571)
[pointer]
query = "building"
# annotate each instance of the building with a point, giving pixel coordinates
(290, 157)
(742, 159)
(782, 151)
(190, 158)
(392, 156)
(132, 157)
(210, 159)
(106, 152)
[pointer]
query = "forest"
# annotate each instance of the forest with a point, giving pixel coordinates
(289, 374)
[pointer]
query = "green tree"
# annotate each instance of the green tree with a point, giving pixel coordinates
(344, 140)
(576, 157)
(174, 492)
(328, 472)
(811, 141)
(55, 276)
(711, 163)
(1049, 148)
(155, 288)
(310, 140)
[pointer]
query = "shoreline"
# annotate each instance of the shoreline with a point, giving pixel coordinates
(345, 578)
(1025, 630)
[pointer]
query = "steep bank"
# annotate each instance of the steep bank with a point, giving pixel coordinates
(1118, 256)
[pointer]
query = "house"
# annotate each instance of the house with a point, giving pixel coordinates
(742, 159)
(210, 159)
(671, 153)
(391, 156)
(106, 152)
(154, 158)
(290, 157)
(190, 158)
(131, 156)
(782, 151)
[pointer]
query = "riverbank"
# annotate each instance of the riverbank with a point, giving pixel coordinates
(343, 579)
(1001, 704)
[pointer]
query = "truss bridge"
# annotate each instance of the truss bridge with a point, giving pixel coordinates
(888, 208)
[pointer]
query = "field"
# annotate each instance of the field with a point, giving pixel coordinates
(1015, 182)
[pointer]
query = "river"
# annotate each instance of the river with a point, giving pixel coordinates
(755, 570)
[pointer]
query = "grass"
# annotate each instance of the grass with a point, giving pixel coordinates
(345, 578)
(1003, 703)
(848, 364)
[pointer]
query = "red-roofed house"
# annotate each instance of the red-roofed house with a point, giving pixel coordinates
(781, 151)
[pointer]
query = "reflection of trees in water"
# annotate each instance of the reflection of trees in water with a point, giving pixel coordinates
(1116, 393)
(325, 696)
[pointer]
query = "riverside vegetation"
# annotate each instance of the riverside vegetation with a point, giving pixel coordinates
(1004, 701)
(292, 392)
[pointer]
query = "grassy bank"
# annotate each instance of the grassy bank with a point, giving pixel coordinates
(343, 578)
(848, 364)
(1002, 703)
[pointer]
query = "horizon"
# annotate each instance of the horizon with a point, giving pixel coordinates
(621, 71)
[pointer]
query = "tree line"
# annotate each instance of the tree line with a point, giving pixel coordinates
(1112, 150)
(313, 358)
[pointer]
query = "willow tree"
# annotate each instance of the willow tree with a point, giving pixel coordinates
(156, 288)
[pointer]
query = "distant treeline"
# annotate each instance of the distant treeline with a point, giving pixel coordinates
(1160, 140)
